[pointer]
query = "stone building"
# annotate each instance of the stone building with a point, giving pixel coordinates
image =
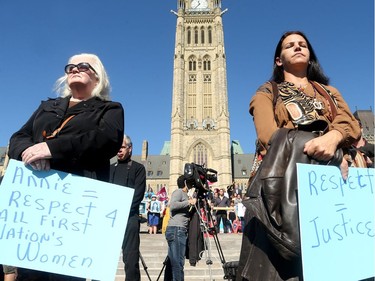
(200, 131)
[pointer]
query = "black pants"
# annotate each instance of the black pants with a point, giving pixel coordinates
(221, 216)
(130, 249)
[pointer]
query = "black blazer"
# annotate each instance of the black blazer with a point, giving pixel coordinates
(130, 174)
(85, 144)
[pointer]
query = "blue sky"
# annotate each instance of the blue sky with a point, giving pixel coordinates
(135, 40)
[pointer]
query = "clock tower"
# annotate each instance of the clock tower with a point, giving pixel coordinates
(200, 119)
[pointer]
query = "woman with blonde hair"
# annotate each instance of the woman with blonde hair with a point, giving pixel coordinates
(78, 132)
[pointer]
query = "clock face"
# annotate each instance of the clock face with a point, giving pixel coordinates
(195, 4)
(203, 4)
(199, 4)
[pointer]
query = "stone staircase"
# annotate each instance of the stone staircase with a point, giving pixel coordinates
(154, 250)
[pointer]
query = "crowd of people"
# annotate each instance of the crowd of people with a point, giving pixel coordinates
(226, 209)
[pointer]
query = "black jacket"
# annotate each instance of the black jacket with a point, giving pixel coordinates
(85, 144)
(130, 174)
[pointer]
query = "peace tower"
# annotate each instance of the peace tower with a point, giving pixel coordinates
(200, 119)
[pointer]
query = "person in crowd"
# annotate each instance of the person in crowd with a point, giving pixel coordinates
(130, 173)
(237, 190)
(231, 215)
(166, 216)
(240, 212)
(154, 209)
(301, 87)
(149, 193)
(222, 202)
(237, 199)
(177, 231)
(230, 189)
(78, 132)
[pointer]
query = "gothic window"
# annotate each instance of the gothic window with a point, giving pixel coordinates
(210, 35)
(192, 85)
(189, 35)
(207, 83)
(196, 35)
(181, 4)
(207, 104)
(202, 35)
(192, 79)
(192, 63)
(206, 63)
(200, 154)
(191, 107)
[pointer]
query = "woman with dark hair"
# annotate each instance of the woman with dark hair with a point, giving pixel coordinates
(300, 81)
(314, 71)
(298, 98)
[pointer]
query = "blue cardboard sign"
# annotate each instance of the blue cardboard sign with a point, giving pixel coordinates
(336, 223)
(62, 223)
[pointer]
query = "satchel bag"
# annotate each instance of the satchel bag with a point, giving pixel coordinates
(271, 196)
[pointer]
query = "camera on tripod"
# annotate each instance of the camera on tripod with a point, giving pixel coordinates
(197, 176)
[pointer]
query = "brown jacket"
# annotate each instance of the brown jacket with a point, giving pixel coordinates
(265, 116)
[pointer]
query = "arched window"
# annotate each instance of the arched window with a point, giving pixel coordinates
(206, 63)
(181, 4)
(202, 35)
(189, 35)
(192, 63)
(210, 35)
(196, 35)
(200, 156)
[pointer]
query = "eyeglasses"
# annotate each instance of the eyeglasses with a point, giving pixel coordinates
(82, 67)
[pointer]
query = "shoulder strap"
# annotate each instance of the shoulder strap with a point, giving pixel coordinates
(275, 92)
(327, 96)
(55, 132)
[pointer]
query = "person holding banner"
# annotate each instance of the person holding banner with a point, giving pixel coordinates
(297, 99)
(154, 212)
(78, 132)
(130, 173)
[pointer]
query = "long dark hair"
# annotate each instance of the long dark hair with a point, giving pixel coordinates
(314, 70)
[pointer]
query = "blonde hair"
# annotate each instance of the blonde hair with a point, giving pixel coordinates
(102, 89)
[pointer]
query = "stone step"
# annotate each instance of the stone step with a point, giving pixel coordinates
(154, 250)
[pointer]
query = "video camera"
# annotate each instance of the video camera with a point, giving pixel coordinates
(197, 176)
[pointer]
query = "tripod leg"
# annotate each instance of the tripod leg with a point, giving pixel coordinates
(165, 262)
(144, 265)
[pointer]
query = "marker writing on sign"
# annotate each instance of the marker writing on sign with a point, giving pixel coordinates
(341, 230)
(323, 183)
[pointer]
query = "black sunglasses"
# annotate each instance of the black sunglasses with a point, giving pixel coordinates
(82, 67)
